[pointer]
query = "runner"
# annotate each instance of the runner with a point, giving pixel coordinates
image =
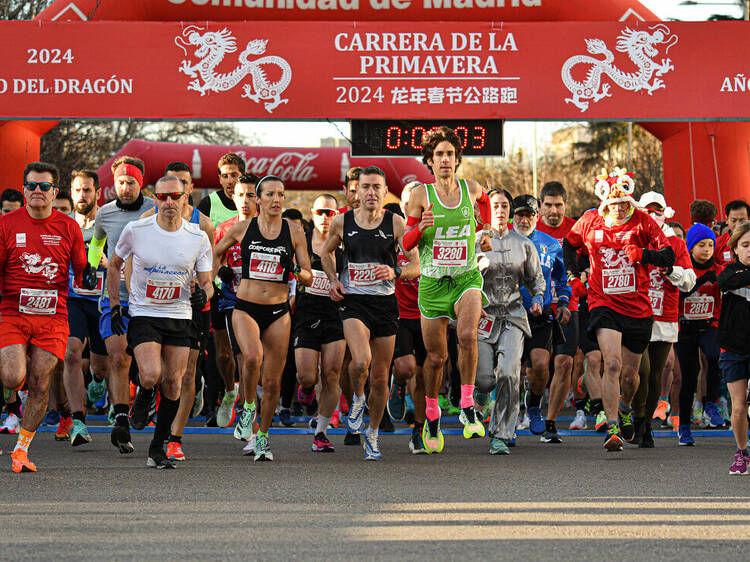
(201, 320)
(366, 291)
(83, 311)
(109, 223)
(350, 190)
(37, 247)
(546, 325)
(507, 263)
(160, 327)
(733, 338)
(441, 221)
(622, 242)
(318, 333)
(10, 200)
(664, 291)
(737, 212)
(261, 318)
(63, 203)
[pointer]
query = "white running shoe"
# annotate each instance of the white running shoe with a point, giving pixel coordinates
(524, 423)
(11, 425)
(579, 422)
(249, 449)
(225, 415)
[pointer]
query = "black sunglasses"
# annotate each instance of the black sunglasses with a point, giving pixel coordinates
(42, 185)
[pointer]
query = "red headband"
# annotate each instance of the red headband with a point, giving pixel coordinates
(129, 170)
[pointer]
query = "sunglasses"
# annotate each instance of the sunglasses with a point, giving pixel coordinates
(43, 185)
(326, 212)
(175, 195)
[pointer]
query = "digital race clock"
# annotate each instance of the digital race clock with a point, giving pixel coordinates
(396, 137)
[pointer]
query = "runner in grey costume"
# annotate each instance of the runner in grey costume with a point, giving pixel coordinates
(512, 262)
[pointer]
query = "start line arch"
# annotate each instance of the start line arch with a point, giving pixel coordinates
(685, 82)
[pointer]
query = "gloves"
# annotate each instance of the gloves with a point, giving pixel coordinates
(226, 274)
(88, 279)
(578, 288)
(198, 298)
(708, 277)
(635, 254)
(118, 320)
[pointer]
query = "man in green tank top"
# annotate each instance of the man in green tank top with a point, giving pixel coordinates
(442, 222)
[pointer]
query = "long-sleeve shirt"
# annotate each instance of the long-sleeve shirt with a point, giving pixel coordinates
(553, 269)
(512, 263)
(734, 283)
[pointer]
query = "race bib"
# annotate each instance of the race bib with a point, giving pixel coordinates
(37, 301)
(485, 326)
(727, 255)
(449, 253)
(657, 301)
(162, 292)
(320, 285)
(618, 281)
(699, 307)
(96, 291)
(237, 278)
(362, 274)
(266, 267)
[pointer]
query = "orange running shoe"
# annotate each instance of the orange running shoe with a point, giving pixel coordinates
(675, 422)
(335, 419)
(19, 462)
(63, 430)
(174, 451)
(662, 409)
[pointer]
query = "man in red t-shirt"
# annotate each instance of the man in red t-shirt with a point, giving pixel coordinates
(737, 212)
(622, 242)
(38, 245)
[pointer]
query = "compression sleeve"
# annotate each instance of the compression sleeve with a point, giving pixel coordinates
(570, 256)
(659, 258)
(96, 250)
(484, 208)
(413, 234)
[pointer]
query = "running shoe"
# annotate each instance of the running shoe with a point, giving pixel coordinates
(120, 438)
(705, 421)
(335, 420)
(536, 421)
(697, 412)
(372, 447)
(724, 409)
(512, 441)
(647, 438)
(416, 445)
(581, 384)
(432, 437)
(321, 444)
(550, 433)
(600, 424)
(397, 400)
(685, 436)
(96, 390)
(157, 459)
(498, 447)
(524, 423)
(79, 434)
(386, 425)
(674, 421)
(351, 438)
(305, 398)
(249, 449)
(285, 417)
(715, 419)
(244, 428)
(198, 401)
(579, 422)
(175, 452)
(613, 441)
(52, 417)
(143, 409)
(662, 409)
(63, 429)
(627, 428)
(225, 416)
(262, 449)
(472, 426)
(739, 466)
(19, 462)
(111, 414)
(11, 425)
(355, 422)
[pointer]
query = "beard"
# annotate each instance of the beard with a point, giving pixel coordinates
(83, 208)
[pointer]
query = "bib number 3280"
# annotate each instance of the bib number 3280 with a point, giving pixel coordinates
(449, 253)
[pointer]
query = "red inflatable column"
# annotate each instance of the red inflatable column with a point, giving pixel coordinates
(19, 144)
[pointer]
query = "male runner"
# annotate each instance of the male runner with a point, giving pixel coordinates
(110, 220)
(63, 203)
(37, 246)
(441, 221)
(83, 310)
(10, 200)
(368, 309)
(160, 328)
(350, 190)
(737, 212)
(622, 242)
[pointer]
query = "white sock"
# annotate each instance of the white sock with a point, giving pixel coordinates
(322, 424)
(358, 399)
(373, 432)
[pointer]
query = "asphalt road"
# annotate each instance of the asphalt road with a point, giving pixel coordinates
(567, 502)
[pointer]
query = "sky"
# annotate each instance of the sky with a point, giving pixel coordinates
(517, 133)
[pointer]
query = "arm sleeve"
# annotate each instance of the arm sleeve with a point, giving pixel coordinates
(124, 247)
(664, 257)
(412, 234)
(734, 276)
(205, 259)
(570, 259)
(559, 275)
(483, 203)
(96, 246)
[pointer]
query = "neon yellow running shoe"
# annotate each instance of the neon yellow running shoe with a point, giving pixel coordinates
(472, 426)
(432, 437)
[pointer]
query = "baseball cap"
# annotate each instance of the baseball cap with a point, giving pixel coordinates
(526, 203)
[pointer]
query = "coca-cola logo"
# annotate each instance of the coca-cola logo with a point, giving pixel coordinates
(289, 166)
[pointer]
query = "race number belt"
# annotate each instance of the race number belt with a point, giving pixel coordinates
(320, 285)
(362, 274)
(618, 281)
(162, 292)
(485, 326)
(699, 307)
(657, 301)
(266, 267)
(37, 301)
(96, 291)
(449, 253)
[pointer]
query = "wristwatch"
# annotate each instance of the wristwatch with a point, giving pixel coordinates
(397, 271)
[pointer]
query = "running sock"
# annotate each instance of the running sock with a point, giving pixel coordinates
(470, 413)
(467, 395)
(533, 400)
(624, 408)
(665, 398)
(432, 410)
(81, 416)
(24, 440)
(96, 379)
(580, 403)
(175, 438)
(596, 406)
(358, 399)
(165, 417)
(373, 432)
(250, 405)
(322, 424)
(121, 415)
(262, 433)
(549, 425)
(64, 409)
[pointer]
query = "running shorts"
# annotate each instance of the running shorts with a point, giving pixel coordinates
(438, 297)
(636, 332)
(164, 331)
(48, 332)
(379, 313)
(263, 314)
(105, 320)
(312, 333)
(83, 322)
(409, 340)
(571, 333)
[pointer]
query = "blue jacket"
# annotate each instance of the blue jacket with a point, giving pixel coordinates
(553, 268)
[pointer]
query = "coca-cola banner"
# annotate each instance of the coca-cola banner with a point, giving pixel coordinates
(300, 168)
(314, 70)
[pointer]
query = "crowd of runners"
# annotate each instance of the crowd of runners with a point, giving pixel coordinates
(461, 300)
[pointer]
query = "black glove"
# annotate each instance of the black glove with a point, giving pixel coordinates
(708, 277)
(89, 279)
(118, 322)
(226, 274)
(198, 298)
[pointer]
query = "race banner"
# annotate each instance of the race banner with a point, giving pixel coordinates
(342, 70)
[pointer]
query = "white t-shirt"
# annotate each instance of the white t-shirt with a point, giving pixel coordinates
(164, 264)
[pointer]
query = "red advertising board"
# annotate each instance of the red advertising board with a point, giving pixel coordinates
(295, 70)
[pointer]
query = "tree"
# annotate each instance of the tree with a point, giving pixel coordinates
(21, 9)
